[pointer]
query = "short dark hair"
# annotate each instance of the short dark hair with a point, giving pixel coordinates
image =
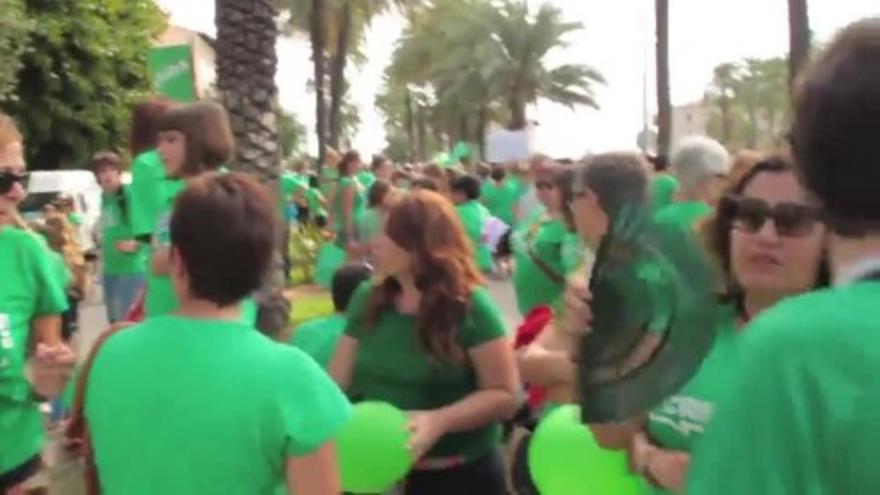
(497, 173)
(223, 227)
(145, 123)
(345, 281)
(209, 140)
(105, 159)
(347, 159)
(377, 193)
(469, 185)
(378, 160)
(426, 183)
(617, 179)
(834, 131)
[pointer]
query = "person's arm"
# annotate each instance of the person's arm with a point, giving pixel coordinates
(315, 474)
(348, 214)
(47, 330)
(161, 262)
(666, 468)
(494, 400)
(547, 362)
(342, 364)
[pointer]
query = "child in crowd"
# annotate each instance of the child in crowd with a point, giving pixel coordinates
(318, 337)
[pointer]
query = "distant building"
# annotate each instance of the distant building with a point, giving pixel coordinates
(688, 120)
(204, 58)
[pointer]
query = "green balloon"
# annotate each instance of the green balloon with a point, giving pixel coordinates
(564, 459)
(373, 455)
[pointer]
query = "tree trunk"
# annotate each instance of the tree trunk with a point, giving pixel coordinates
(410, 126)
(246, 64)
(482, 129)
(318, 34)
(517, 112)
(799, 38)
(422, 120)
(664, 106)
(724, 104)
(337, 74)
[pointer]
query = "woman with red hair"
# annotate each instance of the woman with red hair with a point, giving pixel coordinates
(426, 336)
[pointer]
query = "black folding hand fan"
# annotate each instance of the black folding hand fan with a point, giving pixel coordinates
(654, 317)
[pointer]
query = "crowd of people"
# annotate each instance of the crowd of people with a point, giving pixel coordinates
(184, 395)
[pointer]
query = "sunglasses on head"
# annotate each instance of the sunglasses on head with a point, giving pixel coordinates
(789, 219)
(8, 179)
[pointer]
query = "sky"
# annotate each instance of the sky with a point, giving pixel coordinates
(617, 39)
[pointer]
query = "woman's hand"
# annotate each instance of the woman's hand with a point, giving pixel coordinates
(578, 315)
(51, 369)
(665, 468)
(425, 427)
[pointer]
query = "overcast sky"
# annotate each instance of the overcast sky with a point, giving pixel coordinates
(617, 39)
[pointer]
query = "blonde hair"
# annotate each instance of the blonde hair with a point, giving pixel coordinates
(61, 237)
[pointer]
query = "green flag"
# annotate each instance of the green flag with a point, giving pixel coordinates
(172, 70)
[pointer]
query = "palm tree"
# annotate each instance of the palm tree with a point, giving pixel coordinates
(246, 65)
(664, 105)
(798, 36)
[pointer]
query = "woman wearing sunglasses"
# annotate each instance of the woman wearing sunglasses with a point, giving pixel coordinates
(544, 248)
(770, 241)
(31, 303)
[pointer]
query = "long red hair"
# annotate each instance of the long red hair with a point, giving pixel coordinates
(426, 225)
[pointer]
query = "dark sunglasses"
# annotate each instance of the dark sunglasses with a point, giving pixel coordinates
(542, 184)
(789, 219)
(8, 179)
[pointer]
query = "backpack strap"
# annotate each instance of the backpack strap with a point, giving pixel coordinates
(76, 434)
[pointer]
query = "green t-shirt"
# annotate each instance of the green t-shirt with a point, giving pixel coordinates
(561, 251)
(392, 366)
(360, 201)
(147, 198)
(800, 416)
(161, 298)
(318, 337)
(500, 199)
(116, 226)
(183, 406)
(29, 287)
(684, 213)
(288, 183)
(366, 178)
(473, 217)
(663, 189)
(679, 422)
(369, 224)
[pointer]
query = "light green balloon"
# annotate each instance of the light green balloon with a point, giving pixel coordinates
(372, 448)
(564, 459)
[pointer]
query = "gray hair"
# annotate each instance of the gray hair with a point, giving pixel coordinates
(697, 158)
(617, 179)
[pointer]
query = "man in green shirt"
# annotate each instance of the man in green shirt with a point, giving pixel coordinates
(318, 337)
(701, 166)
(801, 415)
(125, 259)
(199, 402)
(473, 215)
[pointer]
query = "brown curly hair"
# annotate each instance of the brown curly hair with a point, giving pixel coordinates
(426, 225)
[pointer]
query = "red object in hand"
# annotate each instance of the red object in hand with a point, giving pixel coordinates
(137, 311)
(534, 323)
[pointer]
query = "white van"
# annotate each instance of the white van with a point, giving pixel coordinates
(81, 185)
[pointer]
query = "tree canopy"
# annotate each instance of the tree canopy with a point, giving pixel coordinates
(464, 63)
(84, 66)
(14, 29)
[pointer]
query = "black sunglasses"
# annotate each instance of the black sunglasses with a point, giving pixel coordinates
(789, 219)
(8, 179)
(542, 184)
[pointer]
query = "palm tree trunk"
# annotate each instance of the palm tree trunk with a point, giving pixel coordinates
(337, 74)
(318, 34)
(517, 108)
(724, 104)
(410, 125)
(422, 121)
(482, 129)
(664, 106)
(799, 38)
(246, 65)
